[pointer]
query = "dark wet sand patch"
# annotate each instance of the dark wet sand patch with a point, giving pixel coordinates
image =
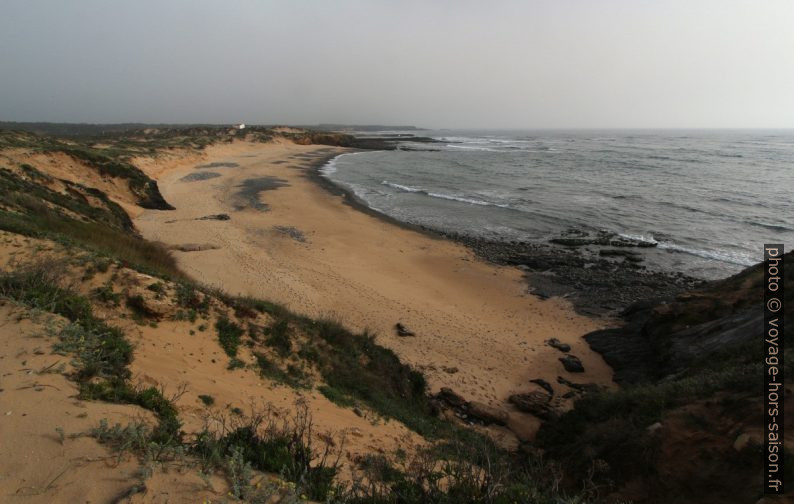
(291, 231)
(194, 247)
(248, 195)
(220, 164)
(220, 217)
(193, 177)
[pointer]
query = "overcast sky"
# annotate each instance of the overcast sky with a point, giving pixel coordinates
(522, 64)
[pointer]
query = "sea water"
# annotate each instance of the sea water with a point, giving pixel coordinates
(707, 200)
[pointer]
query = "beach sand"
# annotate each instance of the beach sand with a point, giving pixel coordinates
(292, 241)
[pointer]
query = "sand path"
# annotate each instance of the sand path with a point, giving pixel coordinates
(468, 315)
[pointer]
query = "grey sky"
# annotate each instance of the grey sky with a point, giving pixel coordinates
(556, 63)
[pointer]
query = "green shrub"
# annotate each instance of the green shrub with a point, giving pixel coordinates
(269, 370)
(235, 363)
(278, 337)
(106, 294)
(187, 296)
(38, 287)
(229, 335)
(284, 448)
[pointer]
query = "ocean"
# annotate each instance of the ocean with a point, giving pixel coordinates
(701, 202)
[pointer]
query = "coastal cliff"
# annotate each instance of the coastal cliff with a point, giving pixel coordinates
(686, 425)
(665, 337)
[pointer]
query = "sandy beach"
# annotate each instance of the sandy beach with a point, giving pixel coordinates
(292, 241)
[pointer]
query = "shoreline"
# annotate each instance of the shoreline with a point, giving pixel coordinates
(612, 284)
(351, 199)
(321, 253)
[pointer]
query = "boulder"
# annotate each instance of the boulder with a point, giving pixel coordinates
(536, 403)
(451, 397)
(559, 345)
(487, 414)
(543, 384)
(572, 364)
(584, 388)
(402, 330)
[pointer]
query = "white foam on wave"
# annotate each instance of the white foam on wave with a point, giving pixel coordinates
(330, 167)
(401, 187)
(467, 147)
(726, 256)
(639, 238)
(738, 258)
(451, 197)
(466, 200)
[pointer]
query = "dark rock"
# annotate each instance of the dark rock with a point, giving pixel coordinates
(543, 384)
(572, 364)
(665, 336)
(579, 387)
(487, 414)
(402, 330)
(536, 403)
(595, 284)
(627, 255)
(571, 242)
(451, 397)
(605, 239)
(562, 347)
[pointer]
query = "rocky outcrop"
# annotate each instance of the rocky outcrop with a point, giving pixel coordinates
(572, 364)
(486, 413)
(595, 283)
(535, 403)
(543, 384)
(664, 337)
(470, 411)
(450, 397)
(559, 345)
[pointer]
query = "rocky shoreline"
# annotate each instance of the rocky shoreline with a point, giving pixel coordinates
(598, 280)
(601, 274)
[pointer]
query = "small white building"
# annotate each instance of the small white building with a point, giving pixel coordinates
(241, 126)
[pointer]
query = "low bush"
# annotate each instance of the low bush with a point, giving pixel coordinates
(284, 447)
(229, 335)
(278, 337)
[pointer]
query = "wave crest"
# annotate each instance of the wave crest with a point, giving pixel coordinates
(451, 197)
